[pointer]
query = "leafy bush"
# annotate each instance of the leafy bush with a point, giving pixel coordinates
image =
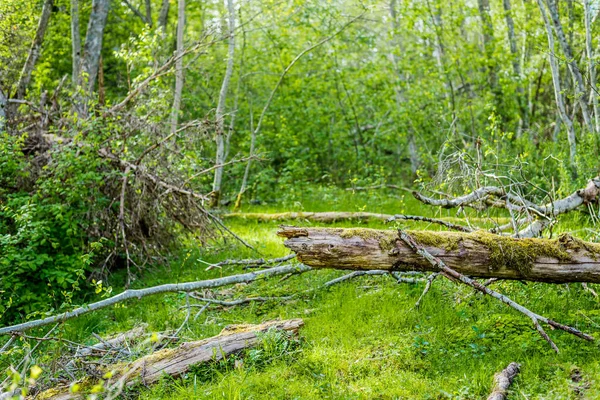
(44, 219)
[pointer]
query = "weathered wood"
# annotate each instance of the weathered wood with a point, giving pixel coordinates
(326, 217)
(477, 254)
(175, 362)
(503, 380)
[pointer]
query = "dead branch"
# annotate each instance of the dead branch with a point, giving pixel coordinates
(166, 288)
(503, 380)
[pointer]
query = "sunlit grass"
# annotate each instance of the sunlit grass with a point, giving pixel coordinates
(363, 339)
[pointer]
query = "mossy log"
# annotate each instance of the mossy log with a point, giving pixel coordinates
(177, 361)
(476, 254)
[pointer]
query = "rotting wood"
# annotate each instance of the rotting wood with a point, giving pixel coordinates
(175, 362)
(503, 380)
(477, 254)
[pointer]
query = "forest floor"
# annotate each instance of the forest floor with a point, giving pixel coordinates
(363, 339)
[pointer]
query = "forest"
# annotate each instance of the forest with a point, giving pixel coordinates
(299, 199)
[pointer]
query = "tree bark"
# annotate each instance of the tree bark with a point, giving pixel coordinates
(93, 42)
(35, 50)
(571, 62)
(178, 67)
(220, 137)
(176, 362)
(3, 101)
(512, 40)
(163, 15)
(75, 42)
(503, 380)
(591, 62)
(476, 254)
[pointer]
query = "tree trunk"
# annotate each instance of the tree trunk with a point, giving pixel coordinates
(488, 43)
(176, 362)
(149, 13)
(476, 254)
(34, 52)
(178, 67)
(591, 61)
(557, 89)
(220, 137)
(510, 24)
(93, 42)
(163, 15)
(75, 42)
(573, 67)
(2, 111)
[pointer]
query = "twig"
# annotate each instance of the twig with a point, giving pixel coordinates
(535, 318)
(430, 280)
(448, 225)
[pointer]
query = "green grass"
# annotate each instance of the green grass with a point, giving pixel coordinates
(363, 339)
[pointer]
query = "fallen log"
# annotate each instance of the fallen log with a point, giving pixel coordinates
(503, 380)
(175, 362)
(325, 217)
(477, 254)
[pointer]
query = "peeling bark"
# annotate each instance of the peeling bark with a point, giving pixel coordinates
(476, 254)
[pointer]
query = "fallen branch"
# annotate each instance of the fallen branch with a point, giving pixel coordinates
(167, 288)
(503, 380)
(176, 362)
(477, 254)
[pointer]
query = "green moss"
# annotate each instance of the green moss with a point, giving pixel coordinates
(444, 240)
(518, 254)
(387, 239)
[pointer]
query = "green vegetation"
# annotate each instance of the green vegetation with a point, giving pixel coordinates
(127, 127)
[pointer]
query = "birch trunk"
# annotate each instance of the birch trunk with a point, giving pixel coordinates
(557, 89)
(591, 61)
(220, 137)
(178, 67)
(35, 50)
(75, 42)
(93, 42)
(573, 67)
(2, 111)
(512, 40)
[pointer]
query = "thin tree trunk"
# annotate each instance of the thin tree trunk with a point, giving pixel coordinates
(178, 67)
(488, 43)
(75, 42)
(557, 89)
(572, 63)
(163, 15)
(149, 12)
(415, 160)
(591, 61)
(93, 42)
(243, 187)
(35, 50)
(220, 138)
(510, 24)
(2, 111)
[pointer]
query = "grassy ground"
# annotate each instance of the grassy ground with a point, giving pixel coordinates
(363, 339)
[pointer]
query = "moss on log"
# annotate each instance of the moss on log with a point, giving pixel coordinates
(477, 254)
